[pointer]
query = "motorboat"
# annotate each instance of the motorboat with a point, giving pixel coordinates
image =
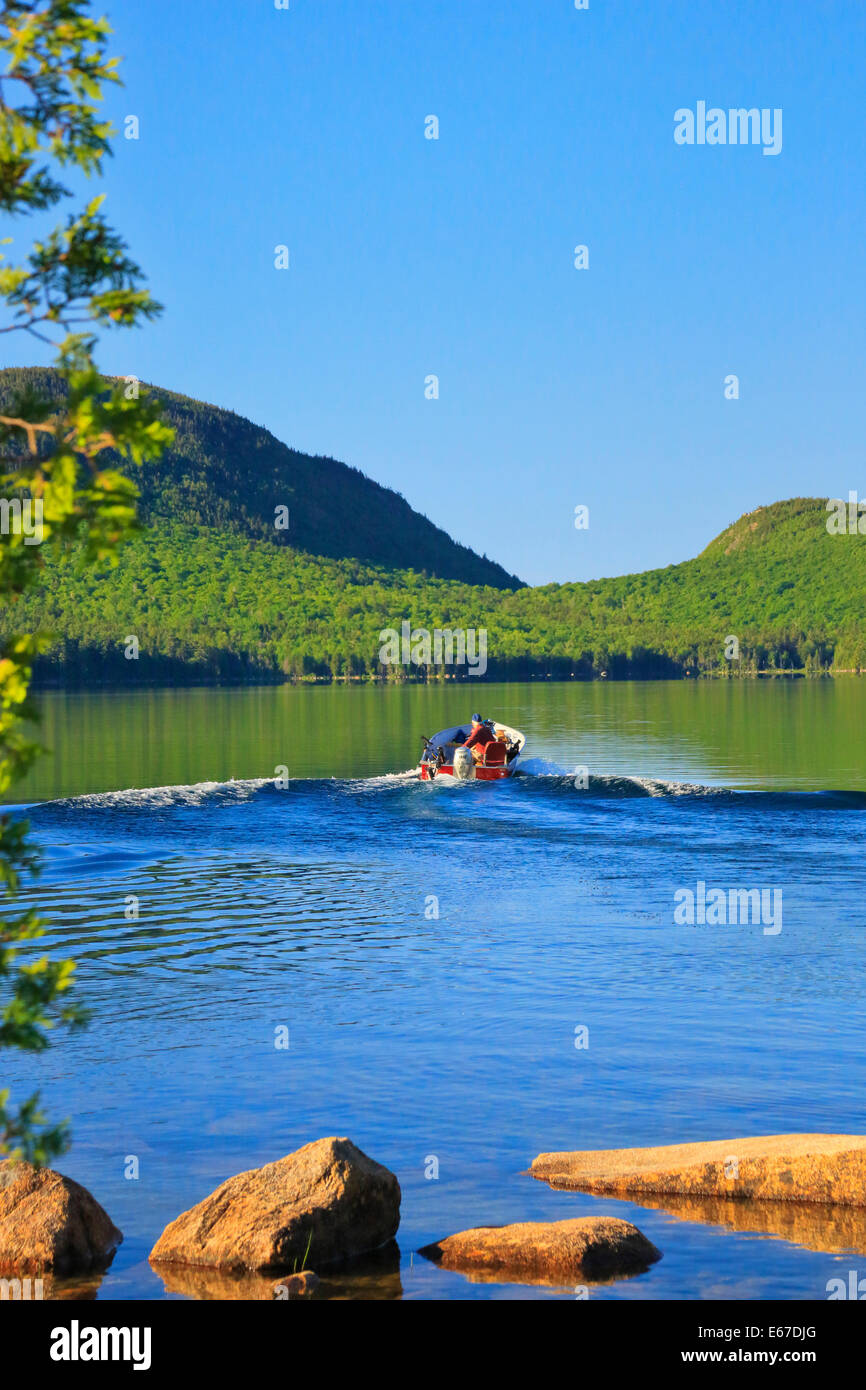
(445, 754)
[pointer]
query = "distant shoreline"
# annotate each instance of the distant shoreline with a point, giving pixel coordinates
(197, 679)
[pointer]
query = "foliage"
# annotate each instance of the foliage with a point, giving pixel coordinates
(58, 457)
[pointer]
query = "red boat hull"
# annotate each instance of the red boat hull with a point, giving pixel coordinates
(482, 774)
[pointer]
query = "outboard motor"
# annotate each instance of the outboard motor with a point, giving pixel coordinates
(464, 765)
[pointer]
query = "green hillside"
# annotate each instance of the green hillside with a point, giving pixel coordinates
(214, 604)
(224, 472)
(210, 593)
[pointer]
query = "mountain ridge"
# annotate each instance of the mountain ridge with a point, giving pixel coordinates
(225, 471)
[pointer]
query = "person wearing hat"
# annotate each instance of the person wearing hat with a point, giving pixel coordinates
(479, 736)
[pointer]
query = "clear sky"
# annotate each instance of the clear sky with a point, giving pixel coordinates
(409, 257)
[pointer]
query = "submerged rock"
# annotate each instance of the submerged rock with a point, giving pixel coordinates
(296, 1285)
(49, 1222)
(778, 1167)
(327, 1201)
(592, 1247)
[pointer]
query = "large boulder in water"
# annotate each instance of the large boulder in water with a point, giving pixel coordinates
(49, 1222)
(550, 1252)
(777, 1167)
(326, 1202)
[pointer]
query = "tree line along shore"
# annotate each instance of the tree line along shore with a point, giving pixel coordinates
(208, 604)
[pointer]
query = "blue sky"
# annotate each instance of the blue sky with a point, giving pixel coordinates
(410, 257)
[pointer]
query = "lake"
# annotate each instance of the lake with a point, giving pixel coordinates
(459, 1036)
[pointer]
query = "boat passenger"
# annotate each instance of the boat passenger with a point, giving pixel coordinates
(479, 736)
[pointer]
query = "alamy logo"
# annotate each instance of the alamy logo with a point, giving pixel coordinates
(443, 647)
(848, 518)
(721, 907)
(736, 126)
(19, 1290)
(76, 1343)
(855, 1288)
(19, 518)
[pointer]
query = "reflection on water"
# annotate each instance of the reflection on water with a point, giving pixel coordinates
(374, 1276)
(814, 1225)
(51, 1288)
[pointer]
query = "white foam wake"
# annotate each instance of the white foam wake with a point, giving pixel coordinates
(194, 794)
(542, 767)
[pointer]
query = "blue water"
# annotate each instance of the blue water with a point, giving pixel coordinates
(311, 908)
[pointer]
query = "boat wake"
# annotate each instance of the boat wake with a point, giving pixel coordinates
(536, 776)
(194, 794)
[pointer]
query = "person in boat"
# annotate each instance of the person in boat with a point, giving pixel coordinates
(479, 736)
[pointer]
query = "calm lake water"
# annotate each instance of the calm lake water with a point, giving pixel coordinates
(453, 1037)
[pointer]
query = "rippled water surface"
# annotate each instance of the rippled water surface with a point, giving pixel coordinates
(313, 908)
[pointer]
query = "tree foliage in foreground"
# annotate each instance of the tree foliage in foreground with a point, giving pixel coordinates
(61, 463)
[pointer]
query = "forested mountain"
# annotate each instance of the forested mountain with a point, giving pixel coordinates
(210, 592)
(214, 604)
(224, 472)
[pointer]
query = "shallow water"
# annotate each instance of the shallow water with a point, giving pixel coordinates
(453, 1037)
